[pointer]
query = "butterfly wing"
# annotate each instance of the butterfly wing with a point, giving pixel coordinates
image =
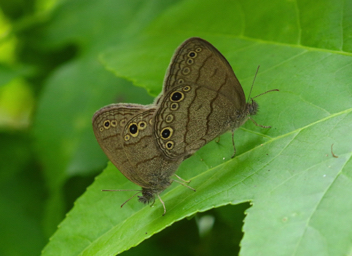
(108, 125)
(190, 116)
(201, 99)
(149, 163)
(198, 62)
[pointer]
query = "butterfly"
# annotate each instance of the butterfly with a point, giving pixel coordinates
(201, 99)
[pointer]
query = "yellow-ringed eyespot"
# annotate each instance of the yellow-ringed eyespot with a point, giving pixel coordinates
(180, 81)
(113, 123)
(133, 128)
(101, 129)
(166, 133)
(142, 125)
(177, 96)
(169, 145)
(127, 137)
(151, 121)
(186, 70)
(190, 61)
(123, 122)
(107, 124)
(186, 88)
(192, 54)
(169, 118)
(174, 106)
(198, 49)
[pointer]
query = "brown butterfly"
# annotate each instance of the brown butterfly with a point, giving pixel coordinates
(201, 99)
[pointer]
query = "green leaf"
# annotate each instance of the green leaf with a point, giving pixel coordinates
(299, 191)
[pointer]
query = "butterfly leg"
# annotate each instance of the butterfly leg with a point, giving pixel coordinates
(183, 184)
(152, 203)
(186, 181)
(259, 125)
(162, 204)
(233, 144)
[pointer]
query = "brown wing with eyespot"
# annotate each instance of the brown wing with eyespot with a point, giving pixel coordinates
(198, 62)
(148, 162)
(190, 116)
(108, 125)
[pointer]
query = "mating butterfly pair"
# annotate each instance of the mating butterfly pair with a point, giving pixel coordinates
(201, 99)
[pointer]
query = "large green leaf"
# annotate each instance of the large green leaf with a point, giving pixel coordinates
(299, 191)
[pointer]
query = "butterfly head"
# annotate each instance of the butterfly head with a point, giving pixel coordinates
(252, 108)
(148, 196)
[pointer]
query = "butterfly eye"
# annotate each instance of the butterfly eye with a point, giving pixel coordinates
(169, 145)
(166, 133)
(177, 96)
(142, 125)
(107, 124)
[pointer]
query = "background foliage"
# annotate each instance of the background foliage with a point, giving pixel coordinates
(61, 61)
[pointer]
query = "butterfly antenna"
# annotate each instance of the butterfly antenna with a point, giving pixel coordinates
(250, 92)
(273, 90)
